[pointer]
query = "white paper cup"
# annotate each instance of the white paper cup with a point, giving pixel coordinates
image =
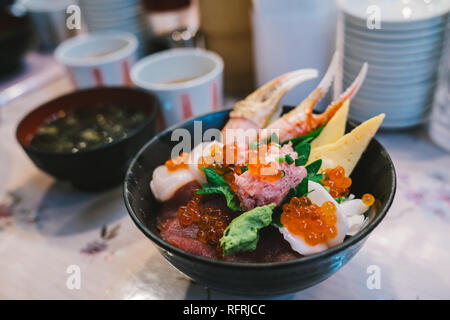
(187, 81)
(99, 59)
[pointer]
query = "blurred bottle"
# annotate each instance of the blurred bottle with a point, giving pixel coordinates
(174, 22)
(440, 116)
(226, 27)
(294, 34)
(49, 21)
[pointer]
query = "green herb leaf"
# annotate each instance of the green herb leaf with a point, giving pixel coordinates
(213, 177)
(217, 184)
(340, 199)
(303, 151)
(289, 159)
(280, 159)
(314, 167)
(311, 136)
(242, 233)
(315, 177)
(302, 188)
(230, 196)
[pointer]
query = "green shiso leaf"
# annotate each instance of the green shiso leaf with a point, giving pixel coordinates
(311, 136)
(217, 184)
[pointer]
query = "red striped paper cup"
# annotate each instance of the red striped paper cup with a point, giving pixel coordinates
(99, 59)
(187, 81)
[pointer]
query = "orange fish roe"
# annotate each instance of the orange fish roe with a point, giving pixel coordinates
(266, 171)
(314, 224)
(338, 183)
(212, 225)
(191, 212)
(180, 162)
(211, 222)
(368, 199)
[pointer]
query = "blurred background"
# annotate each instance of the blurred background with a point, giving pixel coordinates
(258, 40)
(190, 57)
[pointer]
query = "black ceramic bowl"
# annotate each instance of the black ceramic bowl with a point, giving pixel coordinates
(374, 174)
(100, 167)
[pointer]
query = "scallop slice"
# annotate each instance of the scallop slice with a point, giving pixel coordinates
(353, 207)
(318, 195)
(353, 210)
(165, 183)
(298, 244)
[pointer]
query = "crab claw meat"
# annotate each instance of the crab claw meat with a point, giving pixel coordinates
(260, 105)
(347, 95)
(305, 108)
(301, 120)
(297, 121)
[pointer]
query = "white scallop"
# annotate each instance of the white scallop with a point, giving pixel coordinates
(353, 207)
(299, 245)
(165, 183)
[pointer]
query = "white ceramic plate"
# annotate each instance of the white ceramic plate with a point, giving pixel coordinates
(398, 11)
(393, 73)
(389, 66)
(393, 124)
(392, 44)
(391, 59)
(390, 103)
(388, 32)
(400, 112)
(372, 35)
(416, 90)
(389, 80)
(393, 51)
(402, 26)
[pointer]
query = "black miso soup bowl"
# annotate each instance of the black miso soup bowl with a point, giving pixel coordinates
(101, 167)
(374, 174)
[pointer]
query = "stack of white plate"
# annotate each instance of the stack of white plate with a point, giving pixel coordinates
(119, 15)
(403, 56)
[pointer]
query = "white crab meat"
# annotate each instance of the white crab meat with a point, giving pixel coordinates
(318, 195)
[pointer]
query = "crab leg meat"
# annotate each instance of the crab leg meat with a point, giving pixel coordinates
(301, 120)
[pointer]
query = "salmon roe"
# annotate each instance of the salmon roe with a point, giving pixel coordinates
(211, 222)
(268, 171)
(316, 225)
(180, 162)
(338, 183)
(368, 199)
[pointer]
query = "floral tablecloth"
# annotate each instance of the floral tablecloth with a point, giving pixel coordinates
(47, 228)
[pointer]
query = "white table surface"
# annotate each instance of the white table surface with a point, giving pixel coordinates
(52, 226)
